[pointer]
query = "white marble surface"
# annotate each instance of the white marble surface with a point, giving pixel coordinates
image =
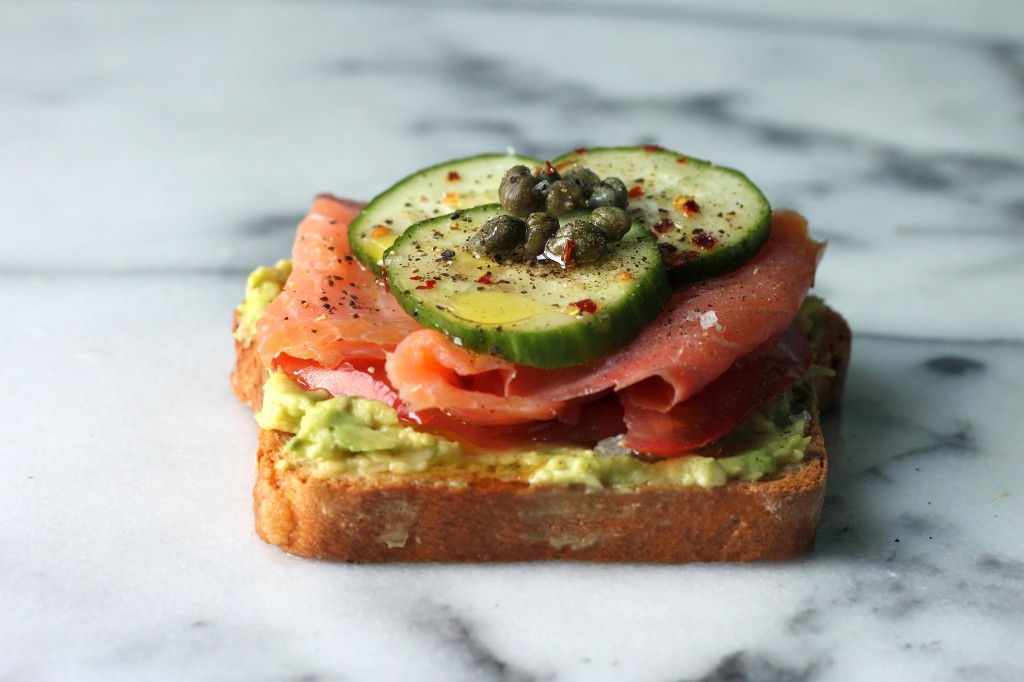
(152, 153)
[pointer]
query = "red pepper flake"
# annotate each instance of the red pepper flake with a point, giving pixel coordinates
(453, 176)
(652, 148)
(429, 284)
(663, 226)
(636, 192)
(567, 254)
(585, 306)
(682, 159)
(415, 278)
(580, 150)
(704, 240)
(485, 279)
(673, 256)
(548, 168)
(686, 205)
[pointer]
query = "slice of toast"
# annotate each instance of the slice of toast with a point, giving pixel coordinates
(472, 518)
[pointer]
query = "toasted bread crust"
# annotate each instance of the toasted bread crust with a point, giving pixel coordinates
(249, 374)
(832, 350)
(375, 519)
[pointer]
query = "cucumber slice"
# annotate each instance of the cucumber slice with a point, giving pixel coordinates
(707, 219)
(433, 191)
(532, 313)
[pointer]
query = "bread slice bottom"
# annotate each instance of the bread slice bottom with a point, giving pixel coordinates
(478, 519)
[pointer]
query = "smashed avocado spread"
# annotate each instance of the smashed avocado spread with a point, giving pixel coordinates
(348, 436)
(262, 287)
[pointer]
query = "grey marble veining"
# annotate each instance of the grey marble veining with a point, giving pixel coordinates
(153, 153)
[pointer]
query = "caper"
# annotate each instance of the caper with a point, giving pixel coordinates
(613, 222)
(576, 228)
(584, 177)
(516, 171)
(499, 235)
(518, 192)
(610, 192)
(588, 244)
(540, 227)
(564, 197)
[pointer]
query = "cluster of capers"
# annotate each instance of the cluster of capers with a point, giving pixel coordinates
(531, 231)
(523, 191)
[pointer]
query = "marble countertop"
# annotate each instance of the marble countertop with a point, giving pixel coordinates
(153, 153)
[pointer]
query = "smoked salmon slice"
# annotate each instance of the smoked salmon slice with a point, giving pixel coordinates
(331, 310)
(429, 371)
(749, 384)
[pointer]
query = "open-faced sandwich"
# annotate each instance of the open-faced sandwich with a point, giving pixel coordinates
(608, 356)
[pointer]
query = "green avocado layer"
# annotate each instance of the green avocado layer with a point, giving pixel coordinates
(262, 287)
(356, 437)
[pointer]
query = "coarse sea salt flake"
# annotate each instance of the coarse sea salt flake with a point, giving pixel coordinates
(707, 320)
(710, 319)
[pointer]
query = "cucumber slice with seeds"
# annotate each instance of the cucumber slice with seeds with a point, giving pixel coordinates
(532, 313)
(707, 219)
(433, 191)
